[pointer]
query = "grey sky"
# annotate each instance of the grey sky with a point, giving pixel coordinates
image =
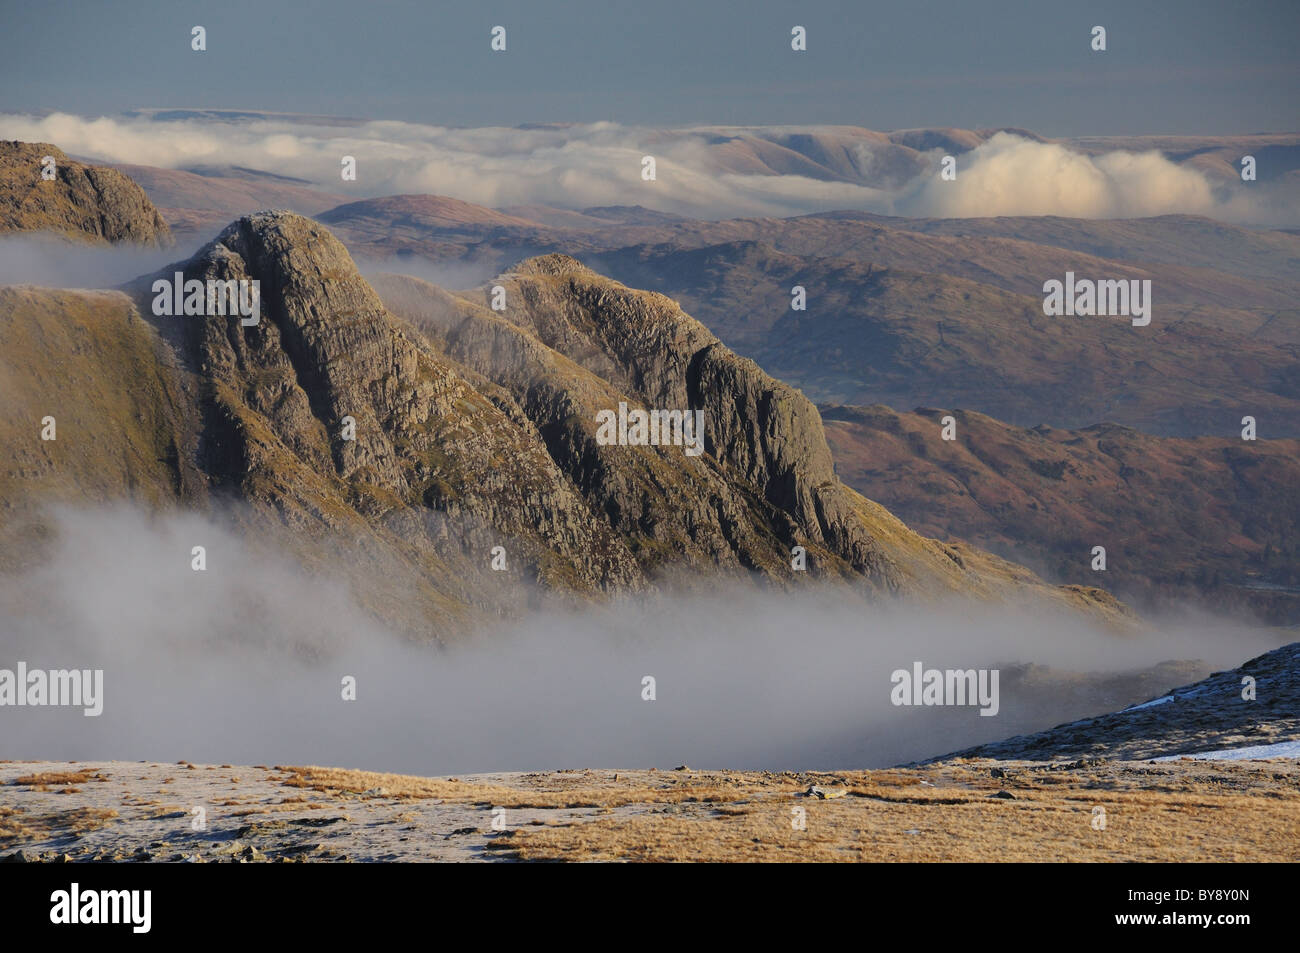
(1171, 67)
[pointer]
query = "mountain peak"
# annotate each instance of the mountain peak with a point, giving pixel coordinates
(556, 265)
(423, 212)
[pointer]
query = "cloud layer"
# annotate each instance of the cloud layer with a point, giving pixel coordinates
(710, 173)
(1008, 175)
(243, 663)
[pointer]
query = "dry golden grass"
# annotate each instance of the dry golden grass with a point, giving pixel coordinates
(395, 786)
(963, 810)
(43, 781)
(17, 824)
(1167, 829)
(560, 791)
(83, 819)
(12, 826)
(1191, 816)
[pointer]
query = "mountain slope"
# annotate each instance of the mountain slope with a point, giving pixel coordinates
(1187, 240)
(1228, 277)
(83, 202)
(420, 212)
(1211, 519)
(87, 360)
(1251, 305)
(1210, 715)
(666, 505)
(274, 399)
(947, 313)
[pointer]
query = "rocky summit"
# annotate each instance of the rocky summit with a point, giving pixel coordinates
(41, 189)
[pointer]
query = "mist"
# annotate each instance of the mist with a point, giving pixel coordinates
(445, 274)
(244, 663)
(595, 164)
(46, 260)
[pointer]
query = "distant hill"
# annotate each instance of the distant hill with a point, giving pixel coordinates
(1215, 521)
(873, 334)
(199, 202)
(390, 220)
(1186, 240)
(941, 313)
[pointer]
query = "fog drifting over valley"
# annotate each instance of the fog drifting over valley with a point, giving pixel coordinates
(243, 663)
(53, 262)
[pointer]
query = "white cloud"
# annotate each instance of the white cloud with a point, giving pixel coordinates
(1009, 175)
(577, 166)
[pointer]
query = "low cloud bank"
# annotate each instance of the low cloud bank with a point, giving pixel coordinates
(245, 662)
(51, 262)
(594, 164)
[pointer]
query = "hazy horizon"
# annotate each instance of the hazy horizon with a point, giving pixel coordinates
(1168, 68)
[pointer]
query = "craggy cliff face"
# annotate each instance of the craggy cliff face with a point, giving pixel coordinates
(83, 202)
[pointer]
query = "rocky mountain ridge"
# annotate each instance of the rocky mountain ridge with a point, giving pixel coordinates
(480, 434)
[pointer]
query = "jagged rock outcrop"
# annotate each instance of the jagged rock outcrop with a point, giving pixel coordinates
(571, 342)
(431, 460)
(675, 510)
(84, 202)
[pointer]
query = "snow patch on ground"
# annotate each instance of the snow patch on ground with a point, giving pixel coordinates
(1282, 749)
(1150, 704)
